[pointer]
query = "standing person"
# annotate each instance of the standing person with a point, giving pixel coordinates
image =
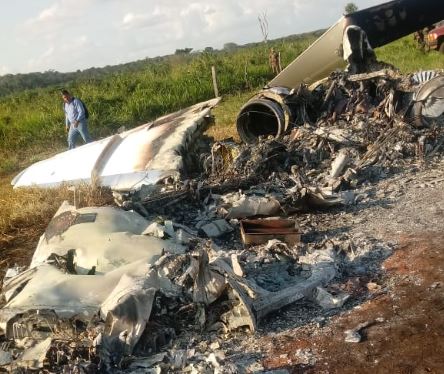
(420, 37)
(274, 61)
(76, 116)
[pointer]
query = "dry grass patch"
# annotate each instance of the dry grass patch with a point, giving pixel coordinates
(25, 214)
(225, 116)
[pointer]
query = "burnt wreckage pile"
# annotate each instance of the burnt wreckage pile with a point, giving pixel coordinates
(342, 132)
(139, 292)
(345, 123)
(162, 282)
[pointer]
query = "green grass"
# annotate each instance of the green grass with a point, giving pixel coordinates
(407, 58)
(225, 115)
(31, 122)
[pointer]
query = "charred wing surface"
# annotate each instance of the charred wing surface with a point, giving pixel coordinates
(144, 155)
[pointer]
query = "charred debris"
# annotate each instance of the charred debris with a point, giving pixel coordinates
(161, 282)
(194, 260)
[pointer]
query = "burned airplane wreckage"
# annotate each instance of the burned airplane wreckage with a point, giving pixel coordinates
(283, 104)
(217, 247)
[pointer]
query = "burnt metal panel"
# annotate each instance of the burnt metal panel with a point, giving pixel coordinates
(260, 231)
(390, 21)
(316, 62)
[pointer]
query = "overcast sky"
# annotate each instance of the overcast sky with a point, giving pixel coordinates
(67, 35)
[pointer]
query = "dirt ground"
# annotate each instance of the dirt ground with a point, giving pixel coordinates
(404, 314)
(406, 331)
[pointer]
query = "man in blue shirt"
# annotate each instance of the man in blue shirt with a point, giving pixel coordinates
(75, 119)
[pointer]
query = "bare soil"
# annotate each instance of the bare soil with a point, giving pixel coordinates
(408, 335)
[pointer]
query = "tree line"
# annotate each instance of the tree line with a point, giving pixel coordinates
(14, 83)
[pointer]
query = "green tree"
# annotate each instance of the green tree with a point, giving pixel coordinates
(350, 8)
(184, 51)
(230, 46)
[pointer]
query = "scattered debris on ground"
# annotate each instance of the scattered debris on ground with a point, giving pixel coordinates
(212, 247)
(166, 285)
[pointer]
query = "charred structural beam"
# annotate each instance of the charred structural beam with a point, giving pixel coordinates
(272, 112)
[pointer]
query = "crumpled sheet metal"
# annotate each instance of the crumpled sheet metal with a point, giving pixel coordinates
(128, 308)
(112, 240)
(34, 357)
(248, 206)
(125, 296)
(144, 155)
(68, 295)
(255, 302)
(112, 243)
